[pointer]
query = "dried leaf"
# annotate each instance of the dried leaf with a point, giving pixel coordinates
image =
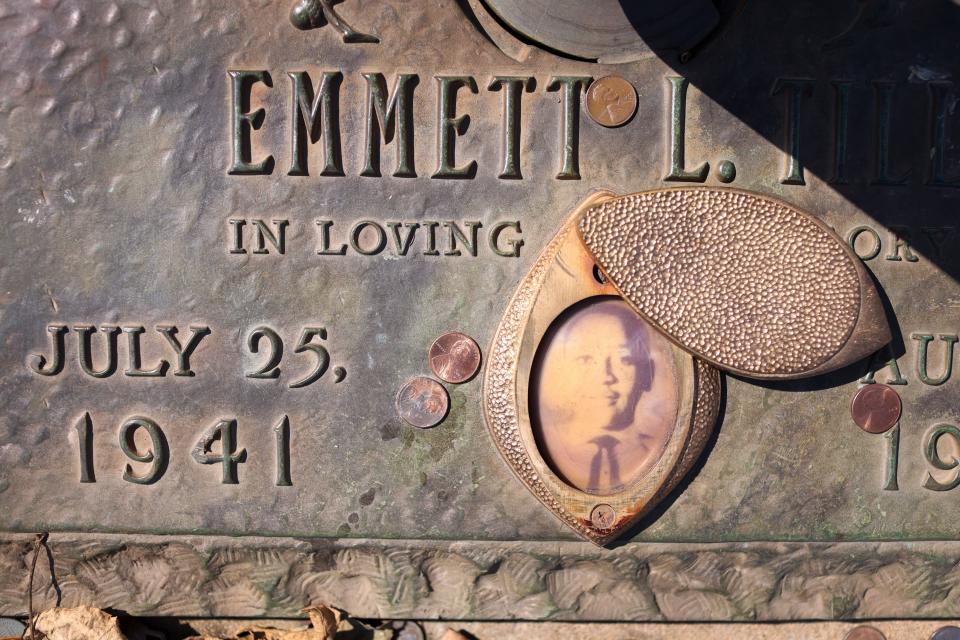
(325, 620)
(79, 623)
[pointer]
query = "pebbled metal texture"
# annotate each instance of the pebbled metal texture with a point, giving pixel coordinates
(750, 284)
(709, 392)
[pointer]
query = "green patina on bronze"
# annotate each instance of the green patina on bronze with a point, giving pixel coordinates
(116, 149)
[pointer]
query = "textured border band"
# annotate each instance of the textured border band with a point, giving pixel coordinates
(277, 577)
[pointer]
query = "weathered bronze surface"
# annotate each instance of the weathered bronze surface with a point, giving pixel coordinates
(230, 241)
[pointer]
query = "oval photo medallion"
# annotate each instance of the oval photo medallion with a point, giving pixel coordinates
(594, 410)
(603, 396)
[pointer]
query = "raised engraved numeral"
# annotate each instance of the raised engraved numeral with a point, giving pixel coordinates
(323, 356)
(271, 369)
(893, 458)
(156, 452)
(226, 432)
(933, 455)
(84, 429)
(940, 447)
(157, 456)
(282, 431)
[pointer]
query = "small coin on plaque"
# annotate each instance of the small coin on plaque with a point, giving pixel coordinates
(454, 357)
(603, 516)
(423, 402)
(946, 633)
(611, 101)
(876, 408)
(864, 632)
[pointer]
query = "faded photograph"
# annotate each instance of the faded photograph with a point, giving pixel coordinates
(603, 395)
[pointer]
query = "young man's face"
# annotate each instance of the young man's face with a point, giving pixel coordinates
(599, 355)
(591, 374)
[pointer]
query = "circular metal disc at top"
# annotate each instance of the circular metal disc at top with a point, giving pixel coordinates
(423, 402)
(454, 357)
(611, 101)
(864, 632)
(876, 408)
(609, 29)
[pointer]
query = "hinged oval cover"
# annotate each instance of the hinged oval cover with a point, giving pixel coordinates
(750, 284)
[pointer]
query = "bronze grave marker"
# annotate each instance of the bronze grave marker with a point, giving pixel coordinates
(234, 231)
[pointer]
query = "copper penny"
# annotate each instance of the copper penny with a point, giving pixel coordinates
(876, 408)
(603, 516)
(423, 402)
(864, 632)
(454, 357)
(611, 101)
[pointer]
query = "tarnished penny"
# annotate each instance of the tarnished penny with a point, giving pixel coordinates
(454, 357)
(946, 633)
(603, 516)
(611, 101)
(864, 632)
(876, 408)
(423, 402)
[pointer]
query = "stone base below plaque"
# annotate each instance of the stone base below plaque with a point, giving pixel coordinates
(531, 581)
(891, 630)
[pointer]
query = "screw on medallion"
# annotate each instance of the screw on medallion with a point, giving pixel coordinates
(603, 516)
